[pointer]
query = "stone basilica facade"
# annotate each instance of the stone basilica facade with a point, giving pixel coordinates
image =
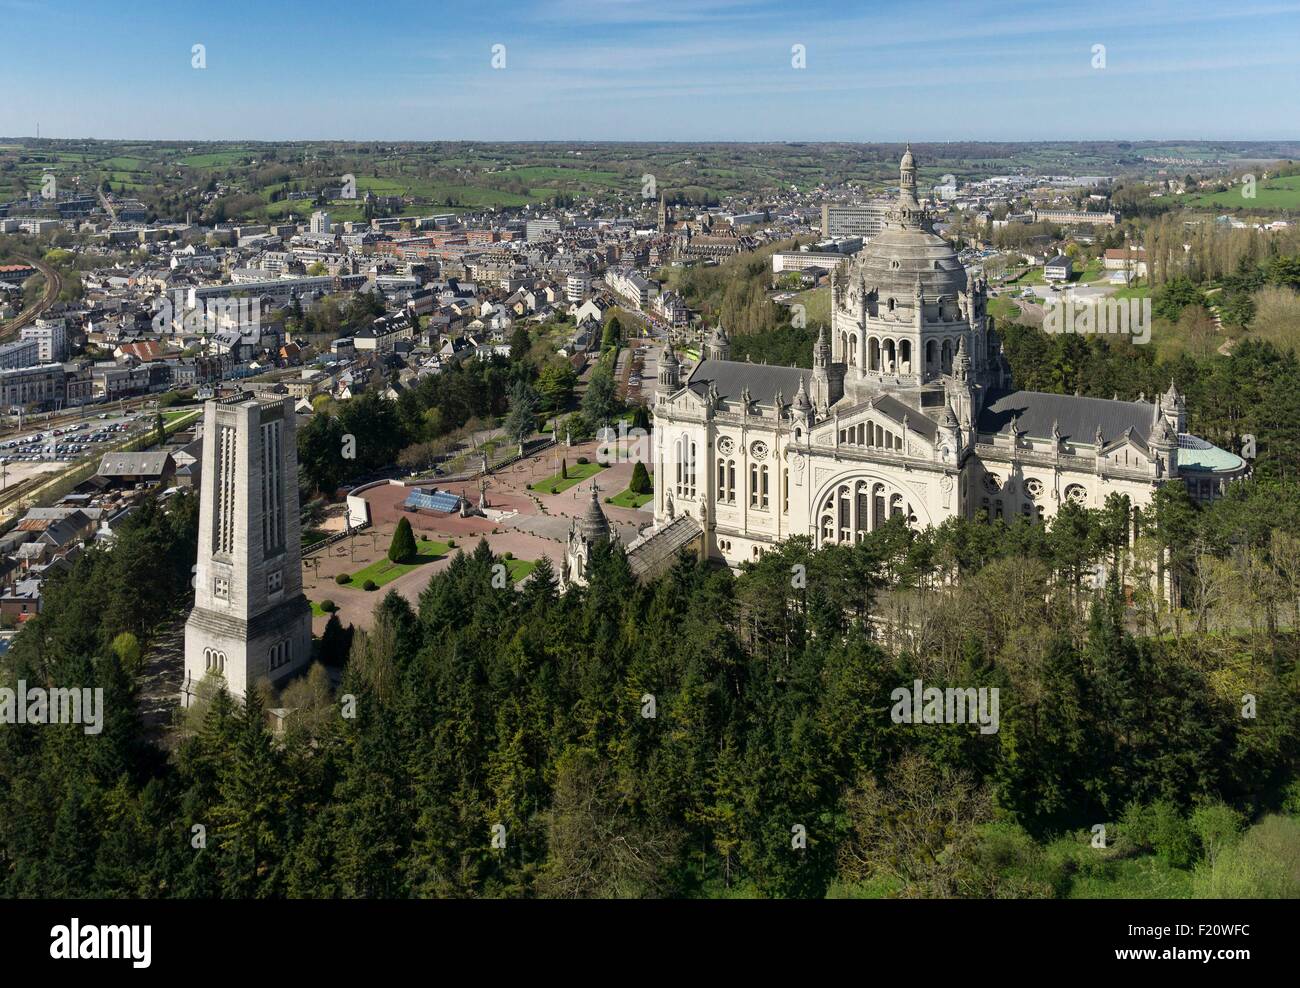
(908, 410)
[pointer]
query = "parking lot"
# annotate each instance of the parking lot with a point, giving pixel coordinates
(69, 442)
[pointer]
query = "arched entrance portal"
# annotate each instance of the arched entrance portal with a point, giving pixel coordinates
(850, 508)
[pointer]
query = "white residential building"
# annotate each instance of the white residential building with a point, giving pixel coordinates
(51, 337)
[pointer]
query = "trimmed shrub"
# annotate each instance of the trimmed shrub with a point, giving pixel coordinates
(583, 461)
(640, 480)
(402, 549)
(370, 585)
(343, 579)
(328, 606)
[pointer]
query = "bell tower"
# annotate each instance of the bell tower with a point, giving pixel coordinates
(250, 619)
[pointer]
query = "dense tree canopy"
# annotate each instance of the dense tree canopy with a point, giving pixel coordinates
(701, 734)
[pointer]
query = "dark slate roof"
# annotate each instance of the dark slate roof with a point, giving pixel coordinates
(662, 545)
(594, 525)
(764, 380)
(917, 421)
(1077, 417)
(134, 464)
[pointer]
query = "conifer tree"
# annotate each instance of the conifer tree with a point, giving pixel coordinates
(402, 549)
(640, 483)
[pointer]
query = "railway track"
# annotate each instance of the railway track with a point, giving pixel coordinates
(53, 286)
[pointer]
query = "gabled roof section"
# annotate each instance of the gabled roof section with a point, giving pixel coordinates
(916, 420)
(733, 376)
(1130, 437)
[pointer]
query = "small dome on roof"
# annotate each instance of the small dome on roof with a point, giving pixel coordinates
(594, 525)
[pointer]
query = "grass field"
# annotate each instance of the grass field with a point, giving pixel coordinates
(1092, 271)
(578, 472)
(817, 303)
(545, 175)
(213, 159)
(1003, 310)
(384, 571)
(627, 499)
(1276, 193)
(1031, 276)
(1133, 291)
(518, 569)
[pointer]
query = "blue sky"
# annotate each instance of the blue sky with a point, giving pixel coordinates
(688, 70)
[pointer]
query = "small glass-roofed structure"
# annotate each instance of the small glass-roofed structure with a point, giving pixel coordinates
(433, 499)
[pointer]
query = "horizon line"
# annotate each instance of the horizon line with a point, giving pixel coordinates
(613, 140)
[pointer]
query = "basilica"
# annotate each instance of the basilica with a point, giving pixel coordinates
(908, 411)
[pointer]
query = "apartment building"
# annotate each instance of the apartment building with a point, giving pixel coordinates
(631, 286)
(853, 219)
(19, 353)
(51, 338)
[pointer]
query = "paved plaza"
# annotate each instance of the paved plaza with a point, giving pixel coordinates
(527, 523)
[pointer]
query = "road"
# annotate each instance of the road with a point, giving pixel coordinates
(53, 285)
(108, 206)
(651, 325)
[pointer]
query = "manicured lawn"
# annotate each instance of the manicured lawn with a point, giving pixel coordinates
(578, 472)
(519, 568)
(627, 499)
(386, 571)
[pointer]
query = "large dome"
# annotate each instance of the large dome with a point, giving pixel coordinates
(900, 254)
(907, 249)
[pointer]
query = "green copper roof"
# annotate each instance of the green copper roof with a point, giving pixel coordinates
(1194, 453)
